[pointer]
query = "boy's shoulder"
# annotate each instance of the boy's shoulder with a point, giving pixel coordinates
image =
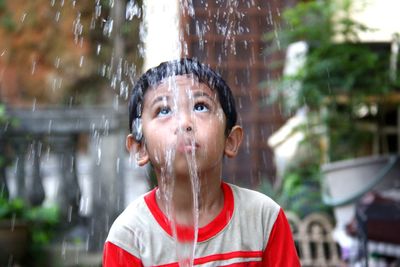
(136, 208)
(130, 224)
(248, 199)
(255, 215)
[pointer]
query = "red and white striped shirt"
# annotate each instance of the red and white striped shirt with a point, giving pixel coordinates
(251, 230)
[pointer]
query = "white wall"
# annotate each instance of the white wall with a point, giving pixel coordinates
(161, 35)
(381, 15)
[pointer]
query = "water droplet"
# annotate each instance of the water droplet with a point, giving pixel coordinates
(113, 83)
(23, 17)
(16, 165)
(57, 16)
(50, 125)
(81, 61)
(278, 12)
(118, 165)
(106, 127)
(98, 49)
(116, 102)
(57, 62)
(108, 27)
(97, 10)
(98, 156)
(124, 90)
(48, 153)
(132, 10)
(63, 249)
(77, 28)
(103, 70)
(34, 105)
(13, 222)
(5, 127)
(33, 67)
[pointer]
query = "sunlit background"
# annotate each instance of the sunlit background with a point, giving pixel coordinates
(317, 91)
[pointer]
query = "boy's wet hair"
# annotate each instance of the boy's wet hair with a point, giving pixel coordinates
(184, 66)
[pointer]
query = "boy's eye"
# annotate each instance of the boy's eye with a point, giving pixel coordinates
(164, 111)
(200, 107)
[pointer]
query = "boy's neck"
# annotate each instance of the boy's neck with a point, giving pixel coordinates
(209, 196)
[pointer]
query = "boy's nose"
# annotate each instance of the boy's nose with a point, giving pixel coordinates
(185, 122)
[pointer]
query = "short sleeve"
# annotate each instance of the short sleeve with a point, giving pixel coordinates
(280, 249)
(114, 256)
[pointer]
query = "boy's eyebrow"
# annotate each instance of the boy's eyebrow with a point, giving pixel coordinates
(202, 93)
(160, 98)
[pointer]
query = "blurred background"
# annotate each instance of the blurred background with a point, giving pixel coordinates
(317, 90)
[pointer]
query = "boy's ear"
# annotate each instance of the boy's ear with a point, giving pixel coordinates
(233, 141)
(138, 149)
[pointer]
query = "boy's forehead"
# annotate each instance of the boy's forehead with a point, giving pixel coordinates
(187, 82)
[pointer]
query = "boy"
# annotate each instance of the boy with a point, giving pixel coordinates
(182, 120)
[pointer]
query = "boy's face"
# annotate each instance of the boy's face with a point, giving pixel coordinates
(182, 117)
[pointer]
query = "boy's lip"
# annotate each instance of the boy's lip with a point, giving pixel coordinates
(185, 147)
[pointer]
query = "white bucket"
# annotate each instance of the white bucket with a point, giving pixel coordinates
(345, 182)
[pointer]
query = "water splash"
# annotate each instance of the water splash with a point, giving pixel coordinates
(97, 9)
(81, 61)
(23, 17)
(108, 27)
(77, 28)
(185, 243)
(132, 10)
(57, 16)
(34, 63)
(57, 62)
(98, 49)
(34, 105)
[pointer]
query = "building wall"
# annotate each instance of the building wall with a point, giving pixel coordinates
(228, 35)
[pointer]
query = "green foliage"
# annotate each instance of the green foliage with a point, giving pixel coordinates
(5, 119)
(3, 115)
(300, 191)
(6, 19)
(336, 62)
(7, 22)
(6, 122)
(42, 221)
(11, 208)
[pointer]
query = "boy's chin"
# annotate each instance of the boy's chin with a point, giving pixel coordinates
(183, 168)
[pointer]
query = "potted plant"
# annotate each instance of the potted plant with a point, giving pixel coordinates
(14, 236)
(24, 230)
